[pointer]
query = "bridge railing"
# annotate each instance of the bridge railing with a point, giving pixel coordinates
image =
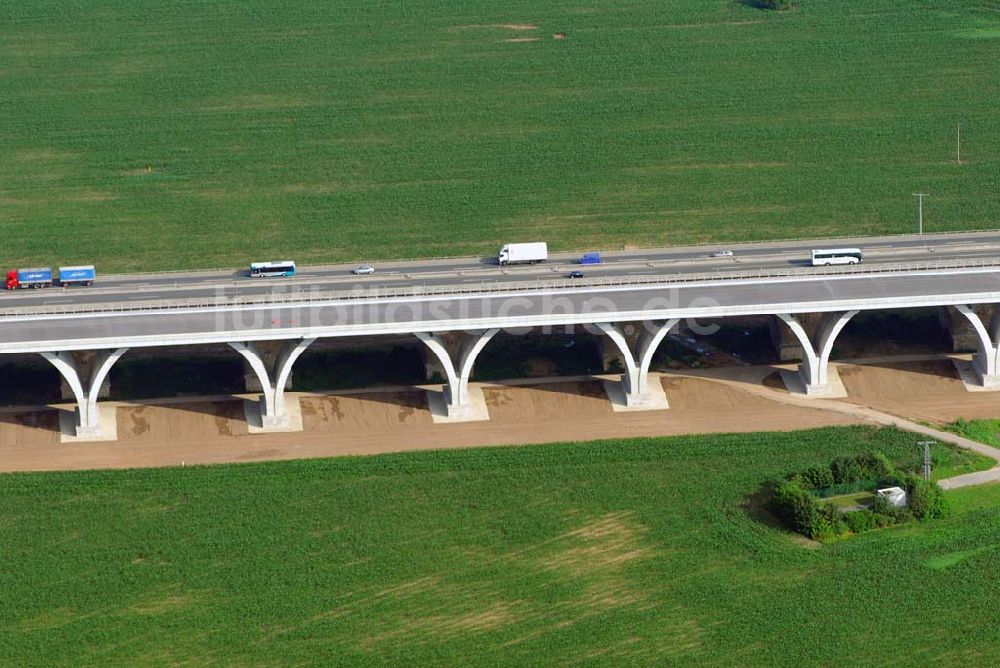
(295, 296)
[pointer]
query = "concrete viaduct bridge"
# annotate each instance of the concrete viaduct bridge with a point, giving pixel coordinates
(83, 340)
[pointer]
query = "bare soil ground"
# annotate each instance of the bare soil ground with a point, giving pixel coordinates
(170, 433)
(928, 391)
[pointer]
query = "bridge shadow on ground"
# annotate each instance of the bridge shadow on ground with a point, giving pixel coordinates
(770, 375)
(939, 368)
(569, 395)
(392, 408)
(187, 418)
(30, 425)
(508, 401)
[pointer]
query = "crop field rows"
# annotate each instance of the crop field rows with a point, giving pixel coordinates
(186, 134)
(648, 550)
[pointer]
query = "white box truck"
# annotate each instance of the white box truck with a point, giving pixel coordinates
(531, 253)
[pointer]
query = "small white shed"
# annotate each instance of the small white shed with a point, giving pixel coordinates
(895, 495)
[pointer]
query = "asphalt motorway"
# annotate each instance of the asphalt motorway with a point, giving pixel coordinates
(471, 272)
(427, 314)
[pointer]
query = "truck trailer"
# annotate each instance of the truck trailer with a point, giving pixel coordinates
(39, 277)
(82, 275)
(528, 253)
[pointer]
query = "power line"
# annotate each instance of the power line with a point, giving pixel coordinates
(927, 458)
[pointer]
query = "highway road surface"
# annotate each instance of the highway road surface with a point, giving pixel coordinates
(373, 317)
(650, 263)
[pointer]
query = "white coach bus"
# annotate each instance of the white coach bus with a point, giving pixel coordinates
(267, 269)
(828, 256)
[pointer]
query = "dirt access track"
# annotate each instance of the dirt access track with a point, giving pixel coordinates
(175, 432)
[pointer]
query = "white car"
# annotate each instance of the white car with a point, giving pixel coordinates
(721, 253)
(364, 269)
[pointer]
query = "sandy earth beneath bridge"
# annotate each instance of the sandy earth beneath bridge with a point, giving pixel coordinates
(212, 430)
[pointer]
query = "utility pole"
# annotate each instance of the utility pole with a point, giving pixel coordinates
(927, 458)
(920, 211)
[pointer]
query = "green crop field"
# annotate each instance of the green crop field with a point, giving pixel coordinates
(184, 133)
(643, 551)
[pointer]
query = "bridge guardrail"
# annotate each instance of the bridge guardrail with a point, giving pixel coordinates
(487, 288)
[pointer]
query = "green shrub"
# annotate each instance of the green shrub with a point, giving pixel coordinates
(797, 500)
(874, 465)
(845, 470)
(881, 506)
(883, 520)
(784, 501)
(799, 509)
(817, 477)
(898, 515)
(866, 466)
(802, 512)
(831, 521)
(775, 4)
(925, 499)
(894, 479)
(860, 521)
(821, 529)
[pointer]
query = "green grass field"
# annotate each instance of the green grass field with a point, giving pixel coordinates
(984, 431)
(647, 551)
(182, 133)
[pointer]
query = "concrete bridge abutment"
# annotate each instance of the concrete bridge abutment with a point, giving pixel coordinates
(85, 375)
(816, 337)
(985, 325)
(273, 368)
(636, 344)
(84, 360)
(961, 336)
(456, 353)
(786, 344)
(269, 352)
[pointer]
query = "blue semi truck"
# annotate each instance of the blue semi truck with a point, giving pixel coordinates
(43, 277)
(38, 277)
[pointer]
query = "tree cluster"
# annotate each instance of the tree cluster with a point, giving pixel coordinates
(798, 499)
